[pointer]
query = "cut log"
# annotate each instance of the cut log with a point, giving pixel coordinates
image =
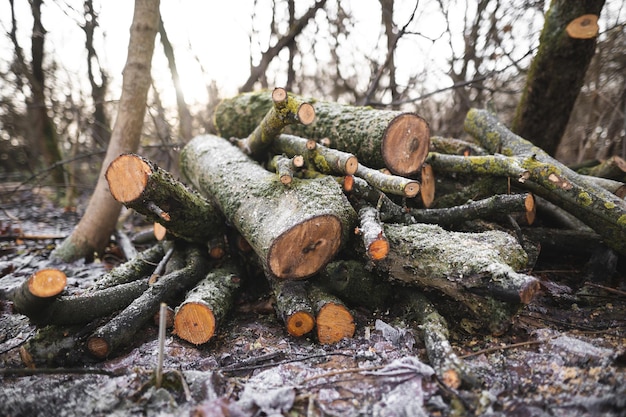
(141, 185)
(372, 233)
(293, 306)
(122, 329)
(474, 269)
(391, 184)
(295, 231)
(378, 138)
(613, 168)
(323, 159)
(456, 263)
(83, 308)
(287, 109)
(333, 320)
(38, 291)
(599, 209)
(205, 307)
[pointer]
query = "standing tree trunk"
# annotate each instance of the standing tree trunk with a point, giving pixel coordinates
(557, 72)
(94, 229)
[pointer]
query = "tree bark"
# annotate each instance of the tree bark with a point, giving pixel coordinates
(378, 138)
(295, 231)
(94, 230)
(556, 75)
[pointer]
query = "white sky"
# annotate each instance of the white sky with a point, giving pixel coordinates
(217, 34)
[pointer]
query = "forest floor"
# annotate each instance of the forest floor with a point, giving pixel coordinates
(564, 354)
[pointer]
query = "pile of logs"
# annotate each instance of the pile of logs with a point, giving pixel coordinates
(334, 206)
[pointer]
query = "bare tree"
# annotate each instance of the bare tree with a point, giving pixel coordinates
(42, 127)
(101, 126)
(257, 72)
(183, 111)
(95, 227)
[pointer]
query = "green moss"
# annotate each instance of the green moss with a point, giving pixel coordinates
(609, 205)
(584, 198)
(321, 164)
(622, 220)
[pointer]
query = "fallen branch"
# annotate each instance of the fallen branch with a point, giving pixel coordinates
(450, 369)
(599, 209)
(122, 329)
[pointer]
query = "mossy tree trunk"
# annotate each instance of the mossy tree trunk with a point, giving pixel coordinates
(556, 74)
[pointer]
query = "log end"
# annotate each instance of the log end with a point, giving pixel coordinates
(351, 165)
(306, 114)
(405, 144)
(195, 323)
(378, 249)
(300, 323)
(334, 322)
(127, 176)
(47, 283)
(583, 27)
(411, 189)
(98, 347)
(305, 248)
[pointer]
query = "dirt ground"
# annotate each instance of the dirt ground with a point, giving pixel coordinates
(564, 354)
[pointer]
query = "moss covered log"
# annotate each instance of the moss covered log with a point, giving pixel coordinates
(141, 185)
(295, 231)
(599, 209)
(378, 138)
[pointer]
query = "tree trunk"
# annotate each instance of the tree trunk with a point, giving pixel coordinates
(44, 129)
(295, 231)
(94, 230)
(556, 75)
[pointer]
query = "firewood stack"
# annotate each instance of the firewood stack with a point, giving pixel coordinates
(335, 206)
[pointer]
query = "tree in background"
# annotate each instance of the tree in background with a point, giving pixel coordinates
(557, 72)
(43, 132)
(94, 230)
